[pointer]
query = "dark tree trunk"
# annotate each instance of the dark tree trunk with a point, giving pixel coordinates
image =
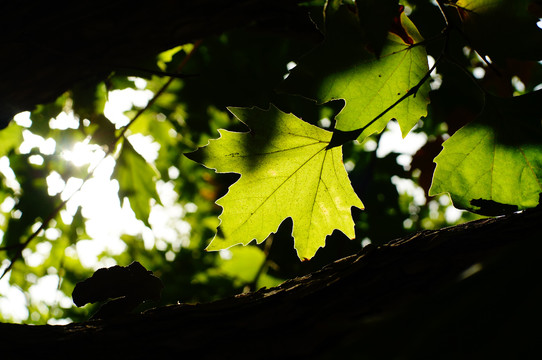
(469, 291)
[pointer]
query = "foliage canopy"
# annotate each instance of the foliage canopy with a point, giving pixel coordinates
(320, 103)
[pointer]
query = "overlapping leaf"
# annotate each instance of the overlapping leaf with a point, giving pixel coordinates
(344, 67)
(494, 164)
(286, 171)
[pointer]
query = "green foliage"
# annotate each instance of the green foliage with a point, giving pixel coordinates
(286, 171)
(344, 68)
(297, 173)
(494, 164)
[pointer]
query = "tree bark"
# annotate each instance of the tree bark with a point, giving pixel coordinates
(468, 291)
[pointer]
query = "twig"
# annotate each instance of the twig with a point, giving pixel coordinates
(443, 12)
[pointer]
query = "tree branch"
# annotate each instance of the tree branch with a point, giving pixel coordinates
(461, 292)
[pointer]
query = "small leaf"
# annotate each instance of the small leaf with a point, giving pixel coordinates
(494, 164)
(286, 171)
(343, 67)
(137, 181)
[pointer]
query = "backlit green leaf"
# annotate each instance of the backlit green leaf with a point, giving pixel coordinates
(344, 68)
(494, 164)
(286, 171)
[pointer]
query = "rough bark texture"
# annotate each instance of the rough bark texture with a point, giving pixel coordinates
(469, 291)
(47, 46)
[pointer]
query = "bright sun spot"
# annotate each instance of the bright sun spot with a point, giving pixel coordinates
(392, 141)
(23, 119)
(84, 153)
(64, 121)
(121, 101)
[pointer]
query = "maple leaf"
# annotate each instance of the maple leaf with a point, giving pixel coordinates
(494, 164)
(344, 67)
(286, 171)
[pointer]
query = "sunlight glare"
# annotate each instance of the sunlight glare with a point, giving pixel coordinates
(84, 153)
(145, 146)
(13, 303)
(55, 183)
(479, 72)
(72, 186)
(10, 180)
(35, 159)
(324, 123)
(64, 121)
(392, 141)
(30, 141)
(451, 214)
(290, 66)
(173, 172)
(166, 220)
(411, 188)
(23, 119)
(139, 83)
(7, 204)
(436, 78)
(121, 101)
(38, 257)
(518, 84)
(45, 290)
